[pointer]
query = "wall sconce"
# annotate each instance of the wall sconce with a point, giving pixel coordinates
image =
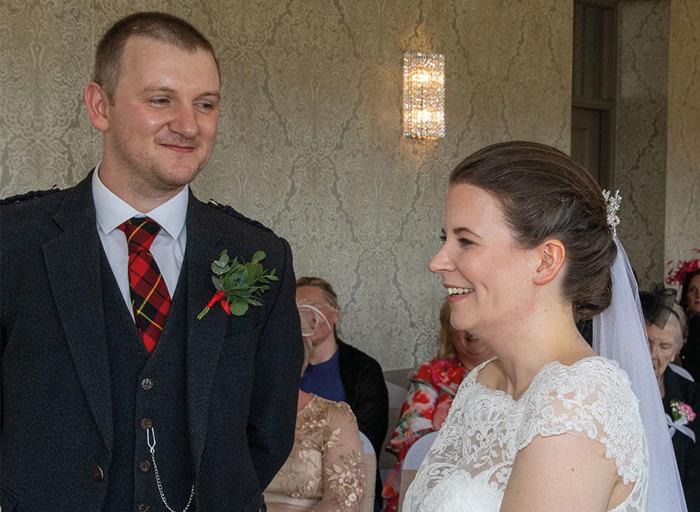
(423, 95)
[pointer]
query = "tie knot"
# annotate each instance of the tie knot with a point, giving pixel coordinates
(140, 233)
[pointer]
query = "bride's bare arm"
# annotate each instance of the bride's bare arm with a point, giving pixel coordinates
(563, 472)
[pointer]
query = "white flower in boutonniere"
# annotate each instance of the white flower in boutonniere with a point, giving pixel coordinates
(682, 415)
(238, 285)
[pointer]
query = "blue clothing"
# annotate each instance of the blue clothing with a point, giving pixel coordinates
(323, 379)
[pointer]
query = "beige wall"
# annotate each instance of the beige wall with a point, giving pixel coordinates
(310, 138)
(640, 152)
(683, 154)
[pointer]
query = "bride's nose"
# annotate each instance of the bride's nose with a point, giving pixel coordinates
(441, 262)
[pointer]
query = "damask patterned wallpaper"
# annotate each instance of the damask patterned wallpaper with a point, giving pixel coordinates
(683, 160)
(658, 133)
(310, 137)
(641, 138)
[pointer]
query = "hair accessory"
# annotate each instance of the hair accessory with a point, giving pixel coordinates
(612, 205)
(683, 268)
(657, 305)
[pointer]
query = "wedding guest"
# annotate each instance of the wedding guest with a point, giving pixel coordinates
(324, 472)
(529, 247)
(338, 371)
(106, 367)
(431, 391)
(690, 294)
(665, 322)
(690, 302)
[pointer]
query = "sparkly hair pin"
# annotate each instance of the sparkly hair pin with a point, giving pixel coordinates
(612, 206)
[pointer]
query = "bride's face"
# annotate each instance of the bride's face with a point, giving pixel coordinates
(487, 276)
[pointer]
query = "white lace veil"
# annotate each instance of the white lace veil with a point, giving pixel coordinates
(619, 334)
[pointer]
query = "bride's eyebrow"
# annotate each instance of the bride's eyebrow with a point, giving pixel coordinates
(464, 230)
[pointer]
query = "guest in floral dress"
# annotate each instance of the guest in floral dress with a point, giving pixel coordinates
(432, 387)
(324, 472)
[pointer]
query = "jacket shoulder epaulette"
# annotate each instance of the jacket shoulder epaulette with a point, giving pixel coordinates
(233, 213)
(29, 195)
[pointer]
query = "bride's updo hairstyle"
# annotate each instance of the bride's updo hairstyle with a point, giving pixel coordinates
(545, 194)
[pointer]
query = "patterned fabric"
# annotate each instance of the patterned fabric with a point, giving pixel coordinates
(469, 464)
(150, 299)
(431, 391)
(324, 472)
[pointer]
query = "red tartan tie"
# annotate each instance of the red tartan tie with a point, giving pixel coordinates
(149, 294)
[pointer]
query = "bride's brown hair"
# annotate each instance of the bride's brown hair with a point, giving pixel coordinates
(545, 194)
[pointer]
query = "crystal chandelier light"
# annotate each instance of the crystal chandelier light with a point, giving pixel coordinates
(423, 95)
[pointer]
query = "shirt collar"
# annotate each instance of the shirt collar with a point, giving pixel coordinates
(112, 211)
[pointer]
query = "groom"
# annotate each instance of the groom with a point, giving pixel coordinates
(115, 396)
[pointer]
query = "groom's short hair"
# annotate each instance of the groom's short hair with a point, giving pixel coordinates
(155, 25)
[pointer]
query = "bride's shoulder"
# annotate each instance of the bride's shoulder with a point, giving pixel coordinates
(491, 374)
(591, 379)
(595, 369)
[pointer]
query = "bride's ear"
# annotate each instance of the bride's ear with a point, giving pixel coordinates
(551, 254)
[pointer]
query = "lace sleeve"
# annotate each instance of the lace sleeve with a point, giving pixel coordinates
(343, 470)
(591, 398)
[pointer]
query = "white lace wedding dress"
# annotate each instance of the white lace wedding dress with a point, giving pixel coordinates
(469, 464)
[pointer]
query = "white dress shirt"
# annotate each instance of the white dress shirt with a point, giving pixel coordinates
(168, 247)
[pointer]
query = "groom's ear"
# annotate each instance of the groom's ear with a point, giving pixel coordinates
(552, 255)
(97, 106)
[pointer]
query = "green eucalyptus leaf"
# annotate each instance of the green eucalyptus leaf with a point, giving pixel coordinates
(258, 257)
(218, 270)
(239, 308)
(218, 283)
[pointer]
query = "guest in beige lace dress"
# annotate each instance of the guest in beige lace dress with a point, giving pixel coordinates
(324, 472)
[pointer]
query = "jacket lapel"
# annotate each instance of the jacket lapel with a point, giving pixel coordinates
(204, 337)
(73, 263)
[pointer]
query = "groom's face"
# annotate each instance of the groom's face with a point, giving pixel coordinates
(163, 116)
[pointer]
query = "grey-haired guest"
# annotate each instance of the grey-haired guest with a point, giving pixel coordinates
(665, 324)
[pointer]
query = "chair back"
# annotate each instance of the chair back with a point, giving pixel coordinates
(397, 386)
(370, 461)
(413, 460)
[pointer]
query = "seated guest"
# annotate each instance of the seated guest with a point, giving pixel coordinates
(665, 322)
(324, 472)
(432, 388)
(338, 371)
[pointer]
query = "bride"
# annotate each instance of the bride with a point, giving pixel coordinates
(547, 425)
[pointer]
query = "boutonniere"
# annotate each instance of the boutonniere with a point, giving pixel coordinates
(238, 285)
(682, 410)
(682, 415)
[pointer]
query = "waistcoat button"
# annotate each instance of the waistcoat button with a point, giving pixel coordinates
(146, 423)
(146, 384)
(97, 473)
(145, 465)
(144, 507)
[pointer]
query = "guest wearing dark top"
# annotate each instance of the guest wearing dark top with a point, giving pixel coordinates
(665, 322)
(690, 302)
(690, 294)
(338, 371)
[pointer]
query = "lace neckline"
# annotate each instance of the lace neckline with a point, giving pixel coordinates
(474, 374)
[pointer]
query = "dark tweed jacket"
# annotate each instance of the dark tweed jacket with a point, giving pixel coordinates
(57, 414)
